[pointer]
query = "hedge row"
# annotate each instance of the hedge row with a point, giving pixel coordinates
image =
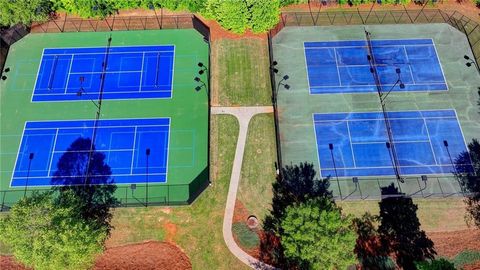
(233, 15)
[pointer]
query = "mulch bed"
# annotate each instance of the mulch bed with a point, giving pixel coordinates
(449, 244)
(145, 256)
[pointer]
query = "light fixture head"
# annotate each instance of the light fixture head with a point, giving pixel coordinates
(201, 71)
(286, 77)
(387, 144)
(4, 78)
(445, 143)
(274, 63)
(197, 79)
(397, 70)
(355, 179)
(198, 88)
(147, 151)
(402, 86)
(7, 70)
(468, 64)
(151, 6)
(200, 64)
(330, 146)
(275, 70)
(287, 86)
(466, 57)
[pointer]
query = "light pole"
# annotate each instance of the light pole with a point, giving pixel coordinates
(445, 143)
(471, 62)
(151, 6)
(30, 157)
(147, 153)
(330, 146)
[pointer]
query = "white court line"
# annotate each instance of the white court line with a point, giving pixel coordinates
(133, 151)
(317, 149)
(109, 92)
(395, 142)
(336, 66)
(351, 144)
(409, 66)
(89, 127)
(53, 148)
(69, 73)
(390, 166)
(141, 73)
(107, 72)
(430, 141)
(382, 119)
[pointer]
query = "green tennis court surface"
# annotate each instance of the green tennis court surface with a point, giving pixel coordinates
(325, 117)
(152, 124)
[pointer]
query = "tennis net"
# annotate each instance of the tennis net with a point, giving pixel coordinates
(390, 144)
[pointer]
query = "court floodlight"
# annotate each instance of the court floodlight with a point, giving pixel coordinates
(4, 78)
(287, 86)
(466, 57)
(201, 71)
(133, 187)
(286, 77)
(197, 79)
(7, 70)
(424, 178)
(200, 64)
(355, 179)
(198, 88)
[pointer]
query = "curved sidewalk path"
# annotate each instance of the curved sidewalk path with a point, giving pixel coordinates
(243, 115)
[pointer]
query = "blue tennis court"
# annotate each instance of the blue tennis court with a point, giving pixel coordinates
(132, 72)
(343, 67)
(357, 143)
(124, 143)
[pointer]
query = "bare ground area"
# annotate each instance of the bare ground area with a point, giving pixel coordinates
(146, 256)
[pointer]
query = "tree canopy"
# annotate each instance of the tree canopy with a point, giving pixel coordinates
(400, 229)
(45, 235)
(24, 11)
(318, 236)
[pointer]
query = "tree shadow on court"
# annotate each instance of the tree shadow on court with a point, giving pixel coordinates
(400, 231)
(297, 184)
(467, 172)
(87, 186)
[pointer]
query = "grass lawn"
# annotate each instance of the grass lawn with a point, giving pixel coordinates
(240, 74)
(197, 229)
(434, 214)
(258, 169)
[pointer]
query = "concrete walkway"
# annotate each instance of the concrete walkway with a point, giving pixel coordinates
(243, 114)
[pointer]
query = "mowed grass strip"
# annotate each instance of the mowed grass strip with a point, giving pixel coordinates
(240, 72)
(435, 214)
(258, 168)
(197, 228)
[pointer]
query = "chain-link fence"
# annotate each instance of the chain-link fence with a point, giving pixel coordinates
(7, 38)
(114, 23)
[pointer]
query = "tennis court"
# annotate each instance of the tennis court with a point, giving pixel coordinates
(132, 72)
(343, 66)
(356, 144)
(124, 142)
(376, 105)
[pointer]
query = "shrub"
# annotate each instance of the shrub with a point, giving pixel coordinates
(438, 264)
(247, 238)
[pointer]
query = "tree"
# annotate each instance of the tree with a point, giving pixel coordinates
(264, 14)
(232, 15)
(318, 236)
(44, 235)
(368, 248)
(469, 178)
(24, 11)
(93, 191)
(89, 8)
(297, 184)
(400, 229)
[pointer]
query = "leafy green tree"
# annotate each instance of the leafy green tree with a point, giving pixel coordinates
(318, 236)
(400, 229)
(264, 14)
(232, 15)
(24, 11)
(89, 8)
(297, 184)
(469, 178)
(438, 264)
(44, 235)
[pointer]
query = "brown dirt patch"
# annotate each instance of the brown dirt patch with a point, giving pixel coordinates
(171, 230)
(473, 266)
(147, 255)
(240, 214)
(9, 263)
(449, 244)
